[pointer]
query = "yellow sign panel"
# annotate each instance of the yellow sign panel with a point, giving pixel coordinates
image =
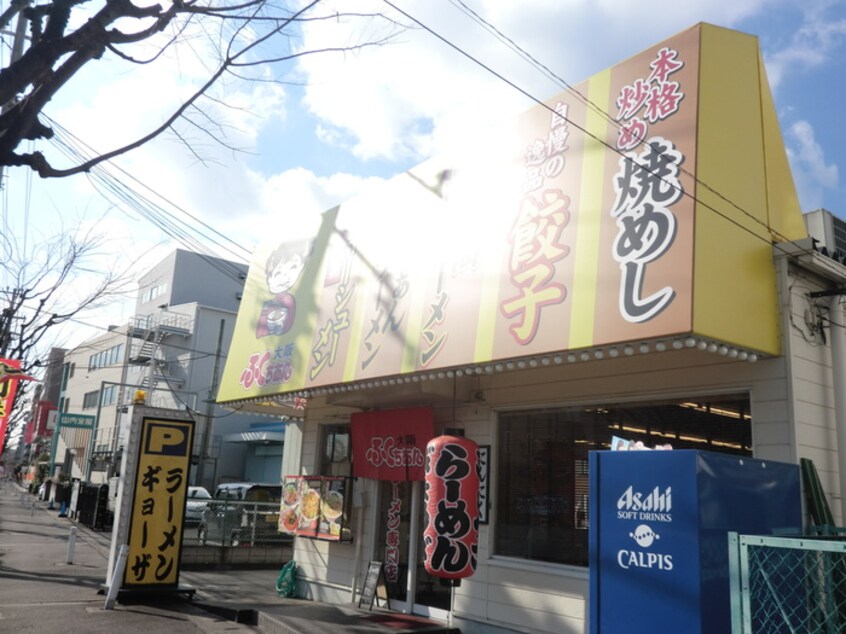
(641, 205)
(158, 503)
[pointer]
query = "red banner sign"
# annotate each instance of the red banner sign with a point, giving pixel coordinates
(10, 374)
(391, 444)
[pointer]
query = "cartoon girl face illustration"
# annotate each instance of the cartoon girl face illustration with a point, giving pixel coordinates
(282, 277)
(284, 268)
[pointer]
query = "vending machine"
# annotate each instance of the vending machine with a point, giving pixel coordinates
(659, 523)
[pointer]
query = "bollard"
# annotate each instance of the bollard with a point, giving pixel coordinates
(71, 543)
(32, 508)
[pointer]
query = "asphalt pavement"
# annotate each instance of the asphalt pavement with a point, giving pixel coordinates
(42, 593)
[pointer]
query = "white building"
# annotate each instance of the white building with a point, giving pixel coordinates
(173, 350)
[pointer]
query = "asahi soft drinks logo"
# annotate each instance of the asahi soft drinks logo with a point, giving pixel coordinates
(645, 506)
(652, 506)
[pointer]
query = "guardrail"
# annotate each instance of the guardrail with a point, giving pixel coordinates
(235, 523)
(235, 533)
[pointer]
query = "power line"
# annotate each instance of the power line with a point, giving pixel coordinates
(126, 197)
(603, 142)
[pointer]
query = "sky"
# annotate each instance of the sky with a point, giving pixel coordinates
(331, 125)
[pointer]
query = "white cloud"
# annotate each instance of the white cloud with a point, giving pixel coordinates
(812, 174)
(811, 46)
(300, 193)
(411, 98)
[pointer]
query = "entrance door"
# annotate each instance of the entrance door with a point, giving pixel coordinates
(402, 518)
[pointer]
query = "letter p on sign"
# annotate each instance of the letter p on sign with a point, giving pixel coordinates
(166, 439)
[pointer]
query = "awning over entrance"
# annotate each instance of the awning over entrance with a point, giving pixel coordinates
(273, 407)
(257, 437)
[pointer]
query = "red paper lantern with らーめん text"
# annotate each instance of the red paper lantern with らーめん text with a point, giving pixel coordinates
(451, 534)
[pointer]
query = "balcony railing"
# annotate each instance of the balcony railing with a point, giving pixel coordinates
(165, 322)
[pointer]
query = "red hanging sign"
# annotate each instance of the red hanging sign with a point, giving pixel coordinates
(391, 444)
(392, 542)
(451, 535)
(10, 374)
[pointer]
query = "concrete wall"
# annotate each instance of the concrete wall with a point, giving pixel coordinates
(190, 277)
(808, 356)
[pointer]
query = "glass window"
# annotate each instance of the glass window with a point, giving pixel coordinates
(105, 357)
(109, 392)
(542, 463)
(336, 457)
(90, 399)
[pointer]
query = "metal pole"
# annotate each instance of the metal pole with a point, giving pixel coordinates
(114, 584)
(204, 444)
(89, 458)
(414, 537)
(359, 506)
(121, 400)
(838, 375)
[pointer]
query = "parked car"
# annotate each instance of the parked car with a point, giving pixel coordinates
(243, 513)
(195, 505)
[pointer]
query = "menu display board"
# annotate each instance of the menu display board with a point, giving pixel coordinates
(332, 508)
(314, 506)
(309, 511)
(289, 513)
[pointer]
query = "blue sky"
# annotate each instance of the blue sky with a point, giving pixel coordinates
(342, 123)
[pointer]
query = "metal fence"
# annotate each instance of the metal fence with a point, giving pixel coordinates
(787, 585)
(232, 523)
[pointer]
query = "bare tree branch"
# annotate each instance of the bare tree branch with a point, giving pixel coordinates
(248, 35)
(46, 295)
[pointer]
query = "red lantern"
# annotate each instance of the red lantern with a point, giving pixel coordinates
(451, 535)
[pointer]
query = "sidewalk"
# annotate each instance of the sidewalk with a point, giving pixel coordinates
(41, 593)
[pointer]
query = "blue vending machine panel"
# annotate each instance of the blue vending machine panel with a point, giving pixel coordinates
(658, 534)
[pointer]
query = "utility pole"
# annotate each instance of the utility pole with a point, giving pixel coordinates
(204, 444)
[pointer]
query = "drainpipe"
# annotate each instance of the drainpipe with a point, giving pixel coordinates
(838, 372)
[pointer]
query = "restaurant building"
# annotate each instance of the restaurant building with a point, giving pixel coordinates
(628, 259)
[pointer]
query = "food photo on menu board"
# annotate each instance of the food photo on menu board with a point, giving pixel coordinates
(288, 514)
(310, 499)
(332, 508)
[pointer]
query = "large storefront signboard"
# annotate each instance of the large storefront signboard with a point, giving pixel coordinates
(159, 490)
(642, 204)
